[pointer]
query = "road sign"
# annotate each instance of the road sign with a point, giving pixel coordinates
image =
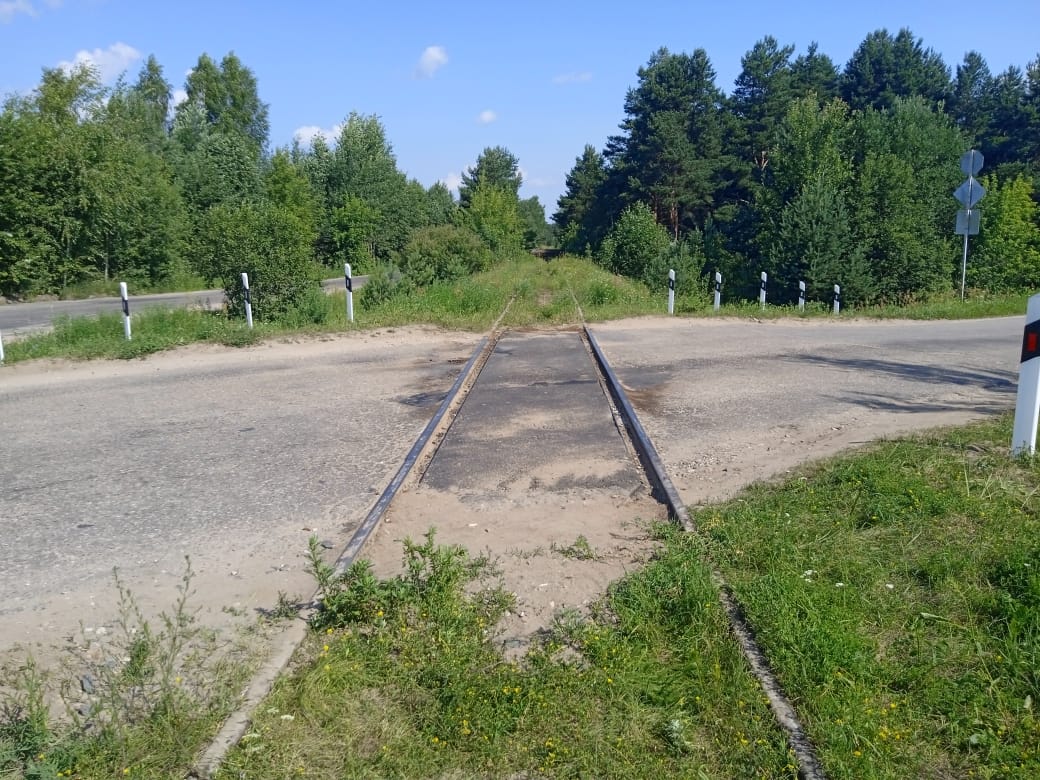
(971, 162)
(969, 193)
(967, 222)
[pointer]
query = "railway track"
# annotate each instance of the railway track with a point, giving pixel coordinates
(535, 448)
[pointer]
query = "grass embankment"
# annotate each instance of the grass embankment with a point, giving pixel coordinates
(896, 593)
(542, 293)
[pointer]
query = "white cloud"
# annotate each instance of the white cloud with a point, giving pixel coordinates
(487, 116)
(9, 9)
(433, 59)
(452, 182)
(572, 78)
(108, 63)
(306, 135)
(179, 96)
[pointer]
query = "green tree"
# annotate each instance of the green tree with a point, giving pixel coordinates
(669, 153)
(901, 206)
(354, 226)
(817, 245)
(495, 167)
(814, 73)
(1006, 254)
(577, 217)
(884, 68)
(971, 99)
(763, 91)
(536, 230)
(494, 215)
(228, 97)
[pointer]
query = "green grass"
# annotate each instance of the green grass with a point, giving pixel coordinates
(402, 678)
(897, 594)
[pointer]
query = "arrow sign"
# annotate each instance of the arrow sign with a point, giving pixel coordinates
(971, 162)
(969, 193)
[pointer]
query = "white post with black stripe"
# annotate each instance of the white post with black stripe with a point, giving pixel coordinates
(837, 299)
(249, 299)
(718, 290)
(1, 347)
(762, 291)
(125, 300)
(349, 281)
(801, 296)
(1027, 404)
(671, 291)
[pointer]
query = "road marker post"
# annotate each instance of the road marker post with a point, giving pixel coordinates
(837, 299)
(801, 296)
(125, 300)
(1027, 402)
(249, 299)
(671, 291)
(718, 290)
(762, 291)
(349, 280)
(1, 347)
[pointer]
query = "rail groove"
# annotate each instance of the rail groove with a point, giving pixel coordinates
(809, 766)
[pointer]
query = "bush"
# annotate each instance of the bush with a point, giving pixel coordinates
(443, 253)
(270, 244)
(635, 243)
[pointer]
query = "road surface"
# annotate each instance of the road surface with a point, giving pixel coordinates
(16, 318)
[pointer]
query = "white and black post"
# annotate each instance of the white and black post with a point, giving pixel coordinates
(671, 290)
(837, 299)
(126, 309)
(718, 290)
(1027, 404)
(249, 299)
(762, 291)
(801, 296)
(1, 347)
(350, 291)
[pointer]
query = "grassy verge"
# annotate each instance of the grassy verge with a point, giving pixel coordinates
(543, 293)
(897, 594)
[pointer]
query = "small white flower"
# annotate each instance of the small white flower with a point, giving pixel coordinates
(288, 717)
(809, 572)
(839, 584)
(890, 586)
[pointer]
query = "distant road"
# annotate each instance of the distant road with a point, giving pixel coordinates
(27, 317)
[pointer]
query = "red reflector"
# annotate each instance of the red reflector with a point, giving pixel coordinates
(1031, 342)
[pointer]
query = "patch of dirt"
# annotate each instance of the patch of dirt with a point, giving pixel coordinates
(529, 535)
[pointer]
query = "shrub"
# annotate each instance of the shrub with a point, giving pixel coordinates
(443, 253)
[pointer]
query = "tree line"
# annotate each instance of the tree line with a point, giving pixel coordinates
(104, 183)
(813, 173)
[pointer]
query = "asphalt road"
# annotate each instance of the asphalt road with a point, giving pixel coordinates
(235, 457)
(27, 317)
(232, 457)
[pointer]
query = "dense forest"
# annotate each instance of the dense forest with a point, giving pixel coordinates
(117, 183)
(813, 173)
(805, 171)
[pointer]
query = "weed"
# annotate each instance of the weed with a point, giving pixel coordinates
(144, 702)
(580, 550)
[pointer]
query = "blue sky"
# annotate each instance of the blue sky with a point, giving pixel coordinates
(448, 79)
